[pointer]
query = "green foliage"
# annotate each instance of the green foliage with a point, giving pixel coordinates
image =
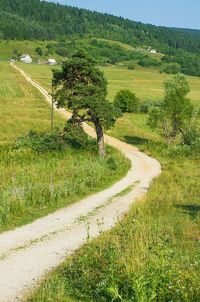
(62, 52)
(42, 142)
(34, 19)
(172, 68)
(189, 62)
(39, 51)
(113, 60)
(112, 164)
(83, 89)
(126, 101)
(191, 135)
(131, 66)
(177, 114)
(148, 62)
(75, 136)
(146, 106)
(50, 49)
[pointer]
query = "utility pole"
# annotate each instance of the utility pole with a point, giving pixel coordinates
(52, 107)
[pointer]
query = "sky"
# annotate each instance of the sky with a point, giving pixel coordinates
(173, 13)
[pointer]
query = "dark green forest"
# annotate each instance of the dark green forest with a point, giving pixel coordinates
(34, 19)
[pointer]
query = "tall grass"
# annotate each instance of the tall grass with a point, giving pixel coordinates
(153, 254)
(31, 184)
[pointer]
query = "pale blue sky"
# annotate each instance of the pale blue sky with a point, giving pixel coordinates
(174, 13)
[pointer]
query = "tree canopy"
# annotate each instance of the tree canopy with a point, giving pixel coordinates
(35, 19)
(176, 115)
(82, 88)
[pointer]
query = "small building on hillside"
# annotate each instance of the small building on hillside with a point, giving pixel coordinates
(151, 50)
(26, 59)
(52, 62)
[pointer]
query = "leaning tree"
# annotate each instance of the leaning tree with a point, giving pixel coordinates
(82, 88)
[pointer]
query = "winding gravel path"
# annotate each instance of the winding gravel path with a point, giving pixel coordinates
(29, 252)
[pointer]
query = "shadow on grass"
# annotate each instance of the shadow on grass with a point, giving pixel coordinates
(135, 140)
(191, 209)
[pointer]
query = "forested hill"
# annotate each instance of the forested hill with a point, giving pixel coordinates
(34, 19)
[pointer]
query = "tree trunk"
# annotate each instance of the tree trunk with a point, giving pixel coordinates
(100, 139)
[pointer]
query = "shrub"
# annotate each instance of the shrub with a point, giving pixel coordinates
(39, 51)
(172, 68)
(175, 151)
(111, 162)
(42, 142)
(75, 136)
(190, 136)
(126, 101)
(147, 62)
(63, 52)
(147, 105)
(113, 60)
(131, 66)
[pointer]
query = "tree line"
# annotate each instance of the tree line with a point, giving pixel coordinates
(33, 19)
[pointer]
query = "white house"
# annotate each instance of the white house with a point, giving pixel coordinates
(153, 51)
(26, 59)
(52, 62)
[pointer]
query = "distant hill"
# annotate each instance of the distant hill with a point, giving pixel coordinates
(34, 19)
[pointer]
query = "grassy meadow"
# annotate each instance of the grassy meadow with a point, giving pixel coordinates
(66, 175)
(153, 254)
(147, 83)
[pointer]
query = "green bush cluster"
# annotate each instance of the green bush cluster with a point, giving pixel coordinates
(41, 142)
(171, 68)
(75, 136)
(54, 141)
(148, 62)
(131, 66)
(126, 101)
(147, 105)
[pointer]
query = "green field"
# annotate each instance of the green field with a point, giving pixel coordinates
(153, 254)
(67, 175)
(145, 82)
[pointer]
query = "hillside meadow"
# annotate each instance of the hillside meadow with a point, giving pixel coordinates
(153, 254)
(9, 47)
(67, 174)
(147, 83)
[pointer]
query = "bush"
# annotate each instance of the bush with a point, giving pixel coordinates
(131, 66)
(172, 68)
(113, 60)
(126, 101)
(147, 105)
(42, 142)
(75, 136)
(190, 136)
(147, 62)
(39, 51)
(63, 52)
(111, 162)
(175, 151)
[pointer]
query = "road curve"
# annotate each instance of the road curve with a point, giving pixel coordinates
(29, 252)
